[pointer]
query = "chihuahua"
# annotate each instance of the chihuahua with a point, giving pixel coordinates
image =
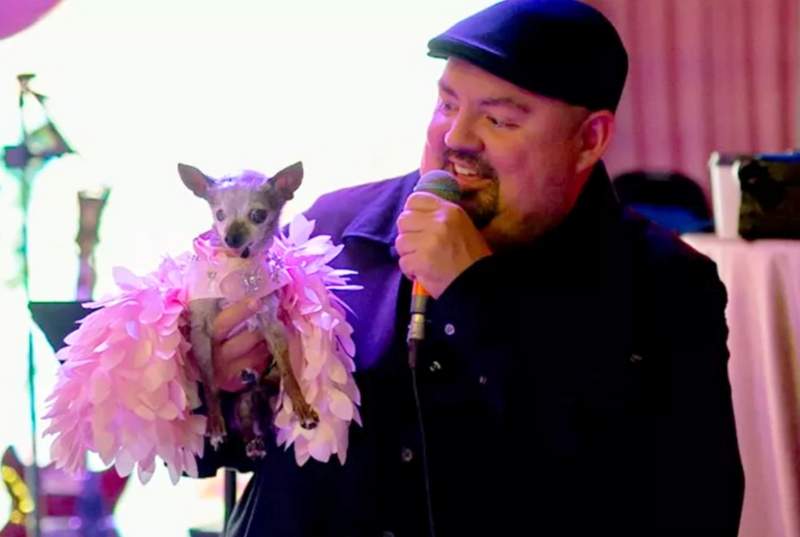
(246, 210)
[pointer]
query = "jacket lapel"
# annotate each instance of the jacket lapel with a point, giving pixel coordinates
(369, 249)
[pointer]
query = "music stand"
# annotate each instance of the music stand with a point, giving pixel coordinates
(57, 319)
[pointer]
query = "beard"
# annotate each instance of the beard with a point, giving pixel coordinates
(481, 205)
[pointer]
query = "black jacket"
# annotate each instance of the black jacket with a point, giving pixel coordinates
(576, 386)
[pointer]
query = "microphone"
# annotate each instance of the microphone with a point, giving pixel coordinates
(444, 185)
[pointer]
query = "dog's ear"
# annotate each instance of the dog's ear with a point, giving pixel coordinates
(288, 180)
(195, 180)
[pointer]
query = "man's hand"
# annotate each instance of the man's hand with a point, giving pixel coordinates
(437, 241)
(245, 350)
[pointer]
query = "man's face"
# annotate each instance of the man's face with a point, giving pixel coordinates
(514, 153)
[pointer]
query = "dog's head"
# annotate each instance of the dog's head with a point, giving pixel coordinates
(246, 207)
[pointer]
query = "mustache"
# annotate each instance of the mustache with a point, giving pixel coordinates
(473, 160)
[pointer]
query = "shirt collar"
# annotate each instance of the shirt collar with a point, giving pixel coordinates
(376, 221)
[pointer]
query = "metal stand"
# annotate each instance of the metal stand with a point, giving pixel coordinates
(32, 471)
(230, 494)
(37, 146)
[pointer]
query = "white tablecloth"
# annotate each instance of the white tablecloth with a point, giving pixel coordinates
(763, 283)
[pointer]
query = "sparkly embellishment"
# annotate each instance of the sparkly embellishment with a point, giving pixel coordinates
(276, 266)
(252, 281)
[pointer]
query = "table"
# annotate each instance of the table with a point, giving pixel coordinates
(763, 282)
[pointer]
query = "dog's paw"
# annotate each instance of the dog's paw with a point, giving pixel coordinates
(217, 439)
(249, 376)
(216, 429)
(309, 419)
(256, 448)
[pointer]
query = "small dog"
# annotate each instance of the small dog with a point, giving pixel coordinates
(246, 210)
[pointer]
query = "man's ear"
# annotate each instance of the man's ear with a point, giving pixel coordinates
(195, 180)
(594, 136)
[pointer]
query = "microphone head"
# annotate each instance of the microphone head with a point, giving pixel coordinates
(440, 183)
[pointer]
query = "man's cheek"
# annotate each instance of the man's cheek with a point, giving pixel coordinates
(431, 157)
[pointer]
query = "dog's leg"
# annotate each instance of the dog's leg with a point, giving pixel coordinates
(201, 313)
(275, 334)
(250, 404)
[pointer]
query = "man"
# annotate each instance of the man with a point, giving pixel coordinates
(573, 380)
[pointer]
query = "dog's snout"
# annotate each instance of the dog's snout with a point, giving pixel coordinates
(234, 240)
(236, 235)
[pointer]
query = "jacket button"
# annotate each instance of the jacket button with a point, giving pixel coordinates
(635, 358)
(449, 329)
(482, 379)
(406, 455)
(435, 366)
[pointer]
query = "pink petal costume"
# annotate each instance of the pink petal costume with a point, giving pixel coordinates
(128, 385)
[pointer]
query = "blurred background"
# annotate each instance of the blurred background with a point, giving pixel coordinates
(346, 87)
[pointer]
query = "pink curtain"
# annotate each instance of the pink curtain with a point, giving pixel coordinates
(16, 15)
(705, 75)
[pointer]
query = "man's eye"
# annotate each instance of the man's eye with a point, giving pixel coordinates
(500, 124)
(447, 107)
(257, 216)
(220, 215)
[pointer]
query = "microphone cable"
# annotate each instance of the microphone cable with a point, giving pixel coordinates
(445, 186)
(413, 349)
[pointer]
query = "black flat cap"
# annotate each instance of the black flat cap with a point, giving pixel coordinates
(558, 48)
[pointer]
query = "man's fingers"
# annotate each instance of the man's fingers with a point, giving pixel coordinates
(229, 376)
(232, 316)
(407, 265)
(423, 201)
(237, 345)
(410, 221)
(256, 359)
(405, 244)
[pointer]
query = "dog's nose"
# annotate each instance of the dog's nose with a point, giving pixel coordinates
(234, 240)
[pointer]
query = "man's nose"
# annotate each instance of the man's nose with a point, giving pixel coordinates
(461, 135)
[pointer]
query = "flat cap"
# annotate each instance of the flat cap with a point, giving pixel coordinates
(562, 49)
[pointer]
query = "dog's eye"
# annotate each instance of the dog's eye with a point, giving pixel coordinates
(220, 214)
(257, 216)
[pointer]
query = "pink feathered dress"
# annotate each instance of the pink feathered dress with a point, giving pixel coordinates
(128, 386)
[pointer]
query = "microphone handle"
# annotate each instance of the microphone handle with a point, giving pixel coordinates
(419, 299)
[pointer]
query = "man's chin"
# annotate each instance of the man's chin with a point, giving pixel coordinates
(480, 215)
(495, 236)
